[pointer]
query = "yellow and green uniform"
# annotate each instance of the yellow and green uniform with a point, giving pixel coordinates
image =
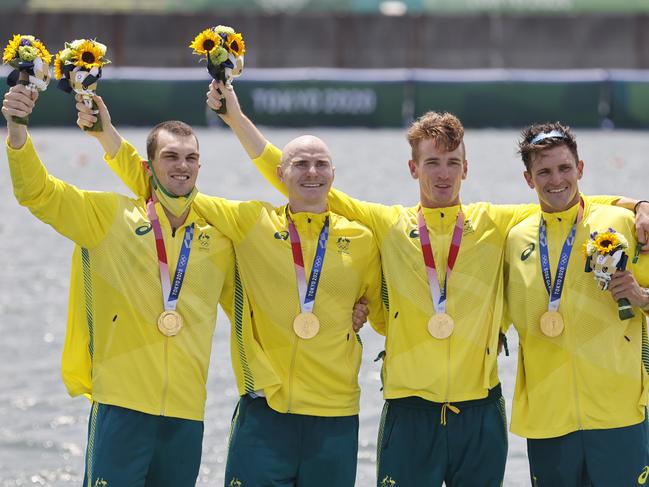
(464, 366)
(319, 376)
(317, 390)
(591, 377)
(113, 351)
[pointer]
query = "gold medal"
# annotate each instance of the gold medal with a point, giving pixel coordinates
(552, 324)
(441, 326)
(306, 325)
(170, 323)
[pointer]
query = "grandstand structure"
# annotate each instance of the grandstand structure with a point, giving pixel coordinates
(375, 63)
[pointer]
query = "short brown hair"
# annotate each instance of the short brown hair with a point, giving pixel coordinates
(444, 128)
(543, 136)
(175, 127)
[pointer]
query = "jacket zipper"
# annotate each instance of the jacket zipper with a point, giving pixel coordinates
(574, 379)
(290, 376)
(165, 382)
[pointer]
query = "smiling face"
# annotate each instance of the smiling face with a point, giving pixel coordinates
(554, 174)
(439, 172)
(307, 173)
(176, 162)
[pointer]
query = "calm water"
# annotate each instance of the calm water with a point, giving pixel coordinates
(43, 431)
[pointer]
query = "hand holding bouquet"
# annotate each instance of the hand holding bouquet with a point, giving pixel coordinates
(31, 62)
(605, 254)
(223, 49)
(78, 67)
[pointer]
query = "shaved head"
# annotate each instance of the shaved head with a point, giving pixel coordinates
(305, 144)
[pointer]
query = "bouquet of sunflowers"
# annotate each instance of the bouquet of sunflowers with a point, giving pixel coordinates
(223, 49)
(31, 62)
(605, 254)
(78, 67)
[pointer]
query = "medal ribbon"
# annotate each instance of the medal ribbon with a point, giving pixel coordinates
(562, 267)
(307, 293)
(170, 292)
(439, 295)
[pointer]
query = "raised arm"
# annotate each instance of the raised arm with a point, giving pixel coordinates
(641, 210)
(121, 157)
(266, 157)
(251, 139)
(109, 138)
(82, 216)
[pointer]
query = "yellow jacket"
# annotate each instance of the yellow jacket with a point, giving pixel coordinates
(113, 350)
(318, 376)
(591, 376)
(464, 366)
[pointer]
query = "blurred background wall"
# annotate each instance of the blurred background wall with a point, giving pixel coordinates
(497, 63)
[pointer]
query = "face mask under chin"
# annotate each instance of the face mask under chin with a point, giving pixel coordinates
(177, 205)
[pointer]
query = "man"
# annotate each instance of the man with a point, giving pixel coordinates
(581, 387)
(141, 316)
(305, 267)
(444, 417)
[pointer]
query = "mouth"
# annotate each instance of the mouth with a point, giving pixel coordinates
(180, 177)
(442, 186)
(557, 190)
(312, 185)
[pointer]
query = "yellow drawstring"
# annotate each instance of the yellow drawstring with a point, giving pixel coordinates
(446, 406)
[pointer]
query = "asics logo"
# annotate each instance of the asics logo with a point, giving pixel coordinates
(642, 478)
(143, 229)
(528, 251)
(281, 235)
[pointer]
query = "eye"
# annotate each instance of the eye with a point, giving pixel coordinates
(322, 165)
(299, 164)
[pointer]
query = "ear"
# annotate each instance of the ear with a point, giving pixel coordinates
(465, 168)
(580, 168)
(528, 178)
(333, 173)
(414, 170)
(145, 166)
(280, 172)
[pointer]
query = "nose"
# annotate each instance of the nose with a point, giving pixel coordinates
(312, 170)
(555, 177)
(443, 172)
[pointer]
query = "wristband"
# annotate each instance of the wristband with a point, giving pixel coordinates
(635, 208)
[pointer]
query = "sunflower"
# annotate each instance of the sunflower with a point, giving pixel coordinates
(609, 242)
(58, 66)
(11, 51)
(205, 42)
(89, 55)
(235, 44)
(43, 52)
